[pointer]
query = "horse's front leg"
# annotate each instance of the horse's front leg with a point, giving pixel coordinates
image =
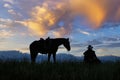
(49, 55)
(54, 57)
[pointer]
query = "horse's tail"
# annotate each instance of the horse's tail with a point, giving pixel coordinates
(31, 53)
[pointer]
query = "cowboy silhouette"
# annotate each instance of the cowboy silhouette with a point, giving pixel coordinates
(90, 56)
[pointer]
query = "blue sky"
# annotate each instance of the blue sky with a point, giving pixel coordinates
(84, 22)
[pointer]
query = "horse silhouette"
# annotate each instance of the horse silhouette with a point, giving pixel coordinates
(48, 46)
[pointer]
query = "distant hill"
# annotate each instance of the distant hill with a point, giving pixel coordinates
(109, 58)
(19, 56)
(13, 55)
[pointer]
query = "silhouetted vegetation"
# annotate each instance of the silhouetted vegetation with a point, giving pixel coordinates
(14, 70)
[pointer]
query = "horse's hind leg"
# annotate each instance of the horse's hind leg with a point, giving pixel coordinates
(33, 57)
(49, 55)
(54, 57)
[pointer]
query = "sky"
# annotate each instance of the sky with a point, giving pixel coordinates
(84, 22)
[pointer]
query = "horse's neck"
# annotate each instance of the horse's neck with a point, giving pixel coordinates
(59, 41)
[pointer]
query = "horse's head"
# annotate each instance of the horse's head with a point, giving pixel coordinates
(67, 44)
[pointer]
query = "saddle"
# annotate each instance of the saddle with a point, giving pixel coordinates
(46, 43)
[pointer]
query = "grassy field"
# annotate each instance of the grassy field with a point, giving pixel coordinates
(60, 71)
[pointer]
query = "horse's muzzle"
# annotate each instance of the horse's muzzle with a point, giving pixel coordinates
(69, 49)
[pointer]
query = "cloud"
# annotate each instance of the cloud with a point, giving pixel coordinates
(5, 23)
(2, 20)
(111, 24)
(108, 39)
(5, 34)
(60, 32)
(107, 51)
(44, 16)
(90, 10)
(5, 31)
(78, 45)
(11, 27)
(43, 20)
(14, 13)
(93, 11)
(7, 6)
(83, 32)
(97, 12)
(11, 11)
(94, 42)
(3, 26)
(9, 1)
(105, 42)
(113, 45)
(102, 50)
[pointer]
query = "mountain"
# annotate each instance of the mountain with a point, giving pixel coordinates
(109, 58)
(61, 57)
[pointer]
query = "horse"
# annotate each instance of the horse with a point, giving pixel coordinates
(49, 47)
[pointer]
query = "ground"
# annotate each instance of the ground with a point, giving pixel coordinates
(14, 70)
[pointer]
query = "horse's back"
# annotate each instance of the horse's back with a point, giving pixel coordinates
(35, 45)
(47, 46)
(38, 46)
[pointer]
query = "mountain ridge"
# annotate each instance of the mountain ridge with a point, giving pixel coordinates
(17, 55)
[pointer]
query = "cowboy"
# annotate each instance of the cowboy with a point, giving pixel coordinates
(90, 56)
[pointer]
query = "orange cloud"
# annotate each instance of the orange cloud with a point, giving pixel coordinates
(117, 17)
(96, 12)
(43, 19)
(60, 32)
(46, 16)
(90, 9)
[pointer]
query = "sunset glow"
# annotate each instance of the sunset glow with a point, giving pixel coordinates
(83, 21)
